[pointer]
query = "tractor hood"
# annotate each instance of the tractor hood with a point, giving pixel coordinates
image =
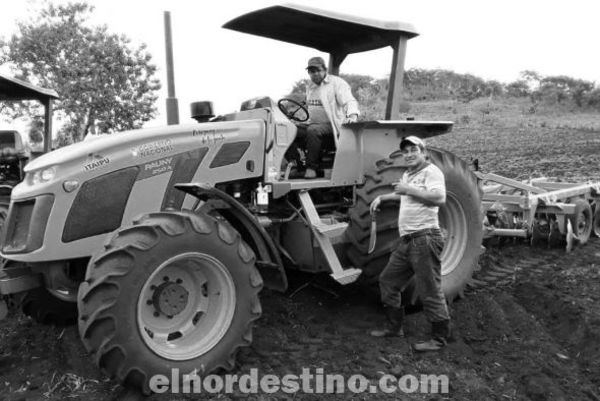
(152, 153)
(105, 145)
(143, 143)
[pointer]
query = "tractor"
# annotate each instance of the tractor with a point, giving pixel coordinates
(14, 155)
(158, 241)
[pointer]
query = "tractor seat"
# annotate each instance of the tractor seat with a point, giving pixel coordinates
(326, 160)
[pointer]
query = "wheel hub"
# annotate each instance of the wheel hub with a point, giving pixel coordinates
(186, 306)
(170, 298)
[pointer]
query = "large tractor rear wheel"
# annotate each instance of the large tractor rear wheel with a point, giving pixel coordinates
(177, 290)
(460, 220)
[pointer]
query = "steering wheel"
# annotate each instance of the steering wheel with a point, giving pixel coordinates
(290, 107)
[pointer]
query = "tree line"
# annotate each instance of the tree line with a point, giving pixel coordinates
(438, 84)
(106, 84)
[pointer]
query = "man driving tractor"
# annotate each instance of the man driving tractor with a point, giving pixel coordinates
(330, 104)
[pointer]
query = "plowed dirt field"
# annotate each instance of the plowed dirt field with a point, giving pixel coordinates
(530, 332)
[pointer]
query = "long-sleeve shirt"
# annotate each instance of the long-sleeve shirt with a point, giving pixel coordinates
(336, 100)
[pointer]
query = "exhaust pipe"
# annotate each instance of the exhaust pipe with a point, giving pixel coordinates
(172, 104)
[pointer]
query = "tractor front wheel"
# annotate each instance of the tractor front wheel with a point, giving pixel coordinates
(177, 290)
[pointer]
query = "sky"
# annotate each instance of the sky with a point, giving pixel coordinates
(491, 39)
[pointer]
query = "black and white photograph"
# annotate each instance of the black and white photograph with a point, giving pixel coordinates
(307, 200)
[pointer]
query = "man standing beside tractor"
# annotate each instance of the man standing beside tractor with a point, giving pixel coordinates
(330, 104)
(421, 190)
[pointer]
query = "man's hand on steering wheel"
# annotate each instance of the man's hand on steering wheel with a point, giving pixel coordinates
(284, 104)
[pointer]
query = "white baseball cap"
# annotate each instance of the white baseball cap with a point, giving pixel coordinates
(413, 140)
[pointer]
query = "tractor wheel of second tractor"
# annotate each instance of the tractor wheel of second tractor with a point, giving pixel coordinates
(460, 220)
(3, 215)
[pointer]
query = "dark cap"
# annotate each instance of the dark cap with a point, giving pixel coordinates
(316, 62)
(414, 140)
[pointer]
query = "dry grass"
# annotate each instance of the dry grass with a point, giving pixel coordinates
(506, 113)
(68, 384)
(512, 139)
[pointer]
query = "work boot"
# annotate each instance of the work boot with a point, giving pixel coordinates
(440, 333)
(395, 318)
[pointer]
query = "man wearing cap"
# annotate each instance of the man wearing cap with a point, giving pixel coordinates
(421, 190)
(330, 104)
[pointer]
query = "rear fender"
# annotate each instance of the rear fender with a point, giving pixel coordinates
(363, 144)
(268, 258)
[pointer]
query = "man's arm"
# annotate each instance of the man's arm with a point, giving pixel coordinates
(382, 198)
(433, 193)
(346, 99)
(435, 197)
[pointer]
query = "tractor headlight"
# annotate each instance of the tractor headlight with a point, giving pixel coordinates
(71, 185)
(44, 175)
(47, 174)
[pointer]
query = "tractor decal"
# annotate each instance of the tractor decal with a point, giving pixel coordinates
(95, 161)
(155, 148)
(156, 167)
(211, 136)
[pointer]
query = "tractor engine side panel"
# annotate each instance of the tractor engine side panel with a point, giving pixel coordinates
(121, 182)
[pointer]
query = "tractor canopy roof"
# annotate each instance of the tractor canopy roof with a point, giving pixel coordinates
(333, 33)
(13, 89)
(327, 31)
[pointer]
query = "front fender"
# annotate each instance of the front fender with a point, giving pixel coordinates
(268, 258)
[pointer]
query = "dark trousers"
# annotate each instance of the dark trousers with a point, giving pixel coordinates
(418, 256)
(310, 137)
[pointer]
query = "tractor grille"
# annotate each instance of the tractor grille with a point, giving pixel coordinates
(26, 224)
(99, 205)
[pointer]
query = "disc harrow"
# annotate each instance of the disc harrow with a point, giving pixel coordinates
(539, 210)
